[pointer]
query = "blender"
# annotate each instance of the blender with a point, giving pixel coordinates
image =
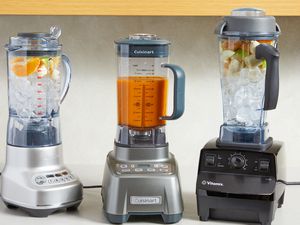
(240, 174)
(34, 177)
(141, 175)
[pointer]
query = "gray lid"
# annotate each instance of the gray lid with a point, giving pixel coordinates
(34, 35)
(142, 39)
(35, 40)
(248, 22)
(142, 45)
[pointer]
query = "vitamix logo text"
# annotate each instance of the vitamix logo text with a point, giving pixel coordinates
(210, 183)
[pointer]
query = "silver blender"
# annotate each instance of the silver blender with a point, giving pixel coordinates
(35, 178)
(141, 175)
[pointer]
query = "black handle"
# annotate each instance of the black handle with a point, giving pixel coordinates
(271, 55)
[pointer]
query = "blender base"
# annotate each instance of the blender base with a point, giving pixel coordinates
(248, 193)
(141, 187)
(36, 181)
(45, 212)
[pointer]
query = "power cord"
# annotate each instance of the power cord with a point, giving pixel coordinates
(92, 186)
(290, 182)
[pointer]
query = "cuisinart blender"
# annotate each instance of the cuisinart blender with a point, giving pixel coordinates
(141, 175)
(34, 177)
(240, 174)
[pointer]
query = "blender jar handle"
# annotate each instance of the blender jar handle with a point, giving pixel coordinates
(271, 55)
(179, 86)
(68, 72)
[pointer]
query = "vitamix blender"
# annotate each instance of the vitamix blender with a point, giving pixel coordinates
(240, 174)
(34, 177)
(141, 175)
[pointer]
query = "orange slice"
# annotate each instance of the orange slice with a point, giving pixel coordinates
(265, 41)
(23, 69)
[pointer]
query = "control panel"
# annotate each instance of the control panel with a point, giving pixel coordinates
(235, 161)
(54, 178)
(143, 168)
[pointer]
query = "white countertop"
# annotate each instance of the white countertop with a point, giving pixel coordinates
(90, 210)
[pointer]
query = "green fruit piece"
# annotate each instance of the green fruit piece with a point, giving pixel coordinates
(263, 64)
(45, 60)
(241, 53)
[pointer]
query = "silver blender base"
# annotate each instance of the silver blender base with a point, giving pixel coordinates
(141, 187)
(35, 180)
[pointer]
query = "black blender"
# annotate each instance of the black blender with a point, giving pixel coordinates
(240, 173)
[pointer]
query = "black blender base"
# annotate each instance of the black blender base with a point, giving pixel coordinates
(42, 212)
(119, 219)
(237, 209)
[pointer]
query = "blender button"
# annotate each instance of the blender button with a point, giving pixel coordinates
(151, 170)
(264, 165)
(58, 175)
(164, 166)
(132, 166)
(138, 170)
(210, 160)
(125, 170)
(220, 165)
(40, 180)
(65, 173)
(164, 170)
(156, 165)
(123, 166)
(49, 175)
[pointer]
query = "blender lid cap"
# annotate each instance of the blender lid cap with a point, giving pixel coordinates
(248, 22)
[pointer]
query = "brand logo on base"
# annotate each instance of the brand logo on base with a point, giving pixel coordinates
(210, 183)
(145, 200)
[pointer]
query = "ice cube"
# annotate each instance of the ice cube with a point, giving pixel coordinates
(244, 116)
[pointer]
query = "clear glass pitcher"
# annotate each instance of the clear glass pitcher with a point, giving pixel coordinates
(38, 80)
(142, 87)
(249, 75)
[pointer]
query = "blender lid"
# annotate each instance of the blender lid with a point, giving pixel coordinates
(142, 39)
(34, 35)
(142, 45)
(249, 22)
(36, 40)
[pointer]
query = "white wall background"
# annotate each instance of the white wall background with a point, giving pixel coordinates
(88, 114)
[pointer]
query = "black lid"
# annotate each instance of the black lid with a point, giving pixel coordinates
(248, 22)
(142, 45)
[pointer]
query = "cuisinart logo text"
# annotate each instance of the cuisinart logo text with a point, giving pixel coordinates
(210, 183)
(145, 200)
(144, 52)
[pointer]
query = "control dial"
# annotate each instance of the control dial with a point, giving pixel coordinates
(237, 161)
